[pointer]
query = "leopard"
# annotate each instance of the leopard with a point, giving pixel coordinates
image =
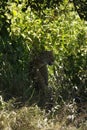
(39, 69)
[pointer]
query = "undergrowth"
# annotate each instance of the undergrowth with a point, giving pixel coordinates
(33, 118)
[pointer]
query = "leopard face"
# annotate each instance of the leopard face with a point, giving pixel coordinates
(47, 57)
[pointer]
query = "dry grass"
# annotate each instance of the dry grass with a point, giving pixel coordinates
(33, 118)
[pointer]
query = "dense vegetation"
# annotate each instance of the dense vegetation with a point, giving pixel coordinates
(27, 28)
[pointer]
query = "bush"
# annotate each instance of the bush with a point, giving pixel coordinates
(64, 33)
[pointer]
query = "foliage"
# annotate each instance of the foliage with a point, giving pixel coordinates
(81, 8)
(39, 5)
(59, 30)
(4, 22)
